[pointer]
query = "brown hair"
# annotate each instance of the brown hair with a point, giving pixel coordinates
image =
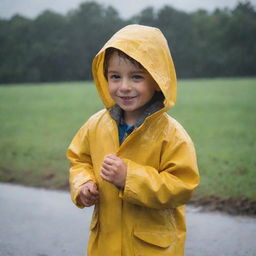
(109, 52)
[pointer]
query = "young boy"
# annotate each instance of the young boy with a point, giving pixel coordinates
(134, 162)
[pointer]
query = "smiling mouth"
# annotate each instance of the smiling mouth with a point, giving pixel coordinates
(127, 97)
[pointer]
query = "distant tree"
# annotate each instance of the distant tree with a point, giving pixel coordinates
(89, 27)
(15, 39)
(178, 29)
(239, 43)
(47, 55)
(145, 17)
(54, 47)
(209, 30)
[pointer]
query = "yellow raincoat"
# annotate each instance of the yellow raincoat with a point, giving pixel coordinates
(147, 217)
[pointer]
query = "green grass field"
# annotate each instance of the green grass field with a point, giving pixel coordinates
(38, 123)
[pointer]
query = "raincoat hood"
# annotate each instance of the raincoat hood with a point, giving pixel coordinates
(148, 46)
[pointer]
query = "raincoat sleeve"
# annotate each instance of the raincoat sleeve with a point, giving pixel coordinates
(81, 170)
(170, 186)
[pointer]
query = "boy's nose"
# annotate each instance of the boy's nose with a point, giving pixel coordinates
(125, 85)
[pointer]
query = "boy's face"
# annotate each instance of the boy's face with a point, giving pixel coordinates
(129, 86)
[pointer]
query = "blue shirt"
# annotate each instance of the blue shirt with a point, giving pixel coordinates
(124, 130)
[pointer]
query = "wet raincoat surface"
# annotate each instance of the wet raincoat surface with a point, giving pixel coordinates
(146, 217)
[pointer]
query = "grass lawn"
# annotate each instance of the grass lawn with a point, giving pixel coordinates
(219, 114)
(38, 122)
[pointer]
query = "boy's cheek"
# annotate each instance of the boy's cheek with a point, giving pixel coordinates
(157, 88)
(112, 88)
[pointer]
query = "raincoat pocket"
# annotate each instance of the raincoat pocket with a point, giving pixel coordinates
(161, 239)
(153, 242)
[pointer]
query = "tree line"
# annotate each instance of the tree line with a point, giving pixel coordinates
(55, 47)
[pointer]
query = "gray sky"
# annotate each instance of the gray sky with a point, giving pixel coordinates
(126, 8)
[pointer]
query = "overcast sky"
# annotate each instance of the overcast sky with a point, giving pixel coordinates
(126, 8)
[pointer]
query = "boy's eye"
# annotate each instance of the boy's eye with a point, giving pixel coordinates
(137, 77)
(114, 77)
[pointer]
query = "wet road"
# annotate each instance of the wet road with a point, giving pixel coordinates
(38, 222)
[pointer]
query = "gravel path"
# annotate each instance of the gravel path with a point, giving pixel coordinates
(39, 222)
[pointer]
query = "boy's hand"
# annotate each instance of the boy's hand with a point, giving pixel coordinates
(114, 170)
(89, 194)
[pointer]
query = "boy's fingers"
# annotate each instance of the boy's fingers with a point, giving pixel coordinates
(94, 191)
(105, 172)
(88, 201)
(111, 156)
(107, 164)
(109, 160)
(84, 190)
(86, 186)
(91, 199)
(95, 188)
(84, 201)
(88, 204)
(89, 194)
(104, 177)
